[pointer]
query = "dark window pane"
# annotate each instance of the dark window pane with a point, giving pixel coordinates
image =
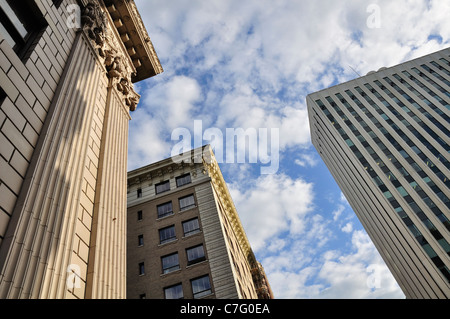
(201, 287)
(170, 263)
(167, 234)
(195, 254)
(191, 227)
(183, 180)
(162, 187)
(174, 292)
(187, 202)
(164, 209)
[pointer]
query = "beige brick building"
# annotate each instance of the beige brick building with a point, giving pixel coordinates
(185, 239)
(67, 70)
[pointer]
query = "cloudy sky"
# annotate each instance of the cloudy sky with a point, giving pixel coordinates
(249, 64)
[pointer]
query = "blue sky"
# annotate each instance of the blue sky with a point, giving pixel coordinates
(250, 64)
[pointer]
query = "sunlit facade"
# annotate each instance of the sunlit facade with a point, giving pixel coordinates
(385, 137)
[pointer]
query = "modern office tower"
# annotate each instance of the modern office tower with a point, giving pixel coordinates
(385, 137)
(67, 70)
(185, 239)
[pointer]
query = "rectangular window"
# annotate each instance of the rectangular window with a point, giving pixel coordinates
(191, 227)
(57, 3)
(164, 209)
(162, 187)
(170, 263)
(183, 180)
(187, 202)
(201, 287)
(195, 254)
(167, 234)
(139, 192)
(20, 26)
(139, 215)
(141, 269)
(141, 240)
(174, 292)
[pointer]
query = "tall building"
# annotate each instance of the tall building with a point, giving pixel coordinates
(385, 138)
(185, 239)
(67, 70)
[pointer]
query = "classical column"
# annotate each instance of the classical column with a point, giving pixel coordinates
(66, 237)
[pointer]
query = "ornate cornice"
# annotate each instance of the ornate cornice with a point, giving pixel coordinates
(96, 25)
(224, 195)
(132, 31)
(119, 36)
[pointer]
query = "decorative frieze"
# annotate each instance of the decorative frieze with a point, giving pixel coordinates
(95, 23)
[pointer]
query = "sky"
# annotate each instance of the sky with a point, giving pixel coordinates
(249, 65)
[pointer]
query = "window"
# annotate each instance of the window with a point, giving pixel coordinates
(170, 263)
(195, 254)
(141, 240)
(164, 209)
(187, 202)
(20, 27)
(174, 292)
(57, 3)
(141, 269)
(167, 234)
(191, 227)
(162, 187)
(139, 192)
(139, 215)
(201, 287)
(142, 296)
(183, 179)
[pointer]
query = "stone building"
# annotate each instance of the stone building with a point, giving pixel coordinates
(184, 237)
(67, 70)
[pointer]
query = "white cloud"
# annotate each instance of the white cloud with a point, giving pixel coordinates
(272, 205)
(173, 102)
(253, 67)
(337, 212)
(307, 159)
(353, 275)
(348, 228)
(143, 150)
(359, 274)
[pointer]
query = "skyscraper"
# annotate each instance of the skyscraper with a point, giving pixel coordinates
(385, 138)
(67, 70)
(185, 239)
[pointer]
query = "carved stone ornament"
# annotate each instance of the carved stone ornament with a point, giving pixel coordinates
(95, 24)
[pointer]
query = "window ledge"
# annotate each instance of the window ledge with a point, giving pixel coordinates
(196, 264)
(187, 209)
(170, 273)
(169, 242)
(192, 236)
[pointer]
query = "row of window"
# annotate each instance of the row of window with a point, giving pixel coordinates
(380, 163)
(171, 262)
(167, 234)
(200, 287)
(190, 227)
(166, 209)
(165, 185)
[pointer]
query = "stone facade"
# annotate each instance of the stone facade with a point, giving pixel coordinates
(65, 102)
(228, 262)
